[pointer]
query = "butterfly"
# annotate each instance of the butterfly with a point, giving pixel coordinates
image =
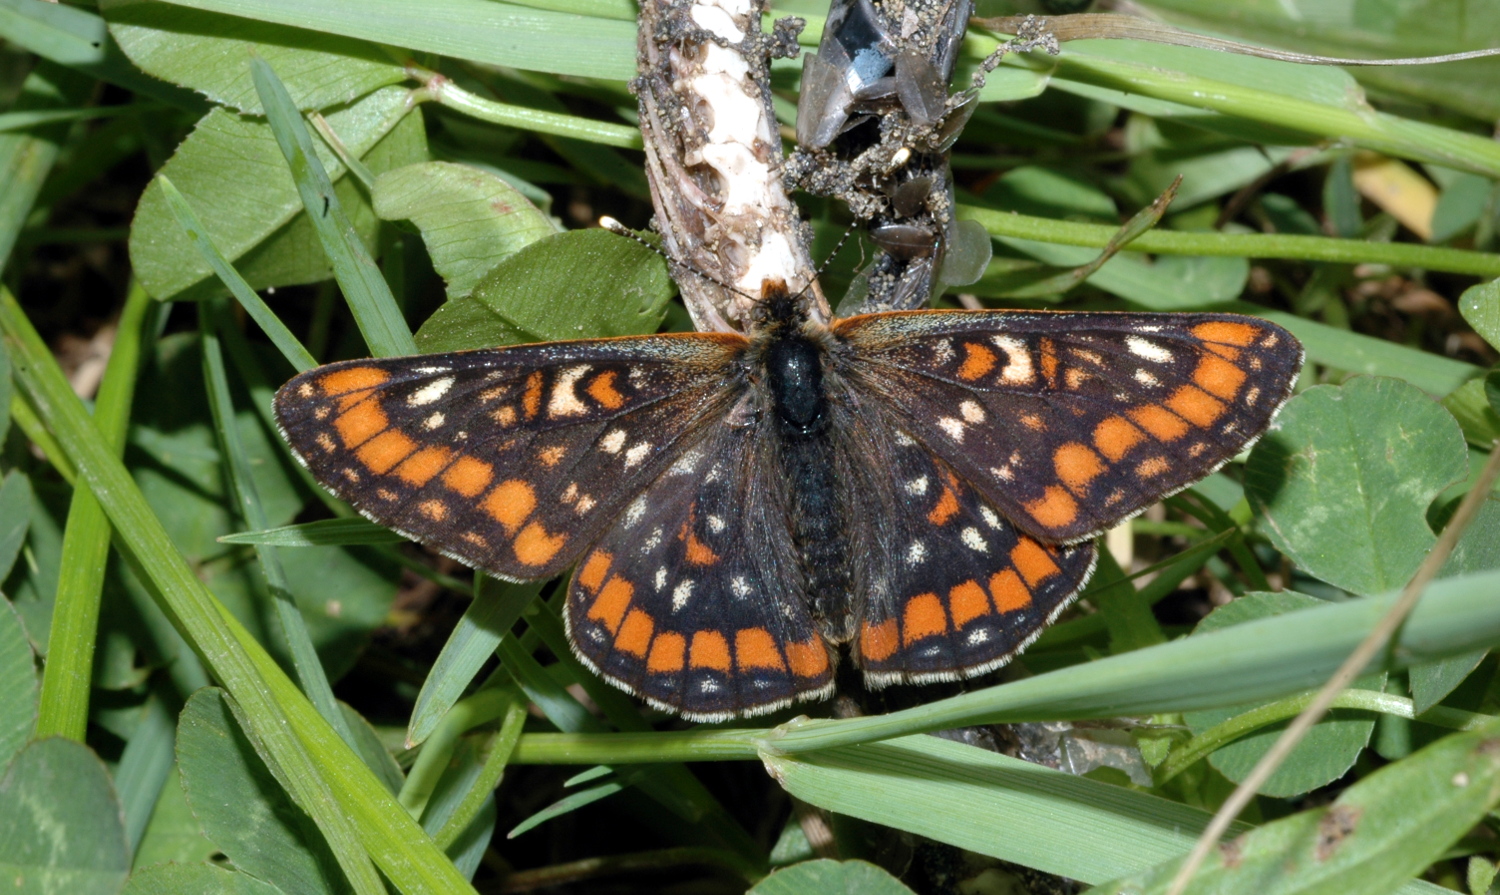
(917, 488)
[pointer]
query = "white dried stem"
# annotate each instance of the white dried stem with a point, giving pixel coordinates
(713, 158)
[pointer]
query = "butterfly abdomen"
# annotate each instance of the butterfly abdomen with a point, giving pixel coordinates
(793, 362)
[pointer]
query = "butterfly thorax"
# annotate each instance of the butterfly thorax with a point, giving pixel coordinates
(793, 353)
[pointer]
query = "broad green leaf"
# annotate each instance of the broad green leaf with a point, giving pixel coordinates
(199, 879)
(62, 831)
(292, 254)
(579, 284)
(1329, 749)
(1381, 831)
(15, 516)
(173, 834)
(242, 808)
(1471, 407)
(1345, 476)
(210, 53)
(827, 877)
(1460, 205)
(234, 176)
(470, 219)
(18, 698)
(1480, 306)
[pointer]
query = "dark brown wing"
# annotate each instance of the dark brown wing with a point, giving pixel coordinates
(1070, 422)
(510, 460)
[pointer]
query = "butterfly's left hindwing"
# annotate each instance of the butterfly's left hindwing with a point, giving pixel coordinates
(511, 460)
(693, 599)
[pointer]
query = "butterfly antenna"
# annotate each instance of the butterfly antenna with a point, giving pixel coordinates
(619, 229)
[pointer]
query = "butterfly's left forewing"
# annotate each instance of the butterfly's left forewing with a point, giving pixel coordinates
(1069, 423)
(511, 460)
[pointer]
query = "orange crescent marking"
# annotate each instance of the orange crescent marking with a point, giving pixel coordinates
(360, 423)
(1116, 436)
(1219, 377)
(352, 379)
(1160, 422)
(878, 642)
(419, 468)
(535, 547)
(709, 650)
(602, 389)
(978, 360)
(635, 633)
(668, 654)
(1056, 508)
(755, 648)
(1033, 561)
(609, 608)
(808, 659)
(468, 476)
(923, 617)
(1077, 466)
(1195, 405)
(967, 602)
(1009, 592)
(381, 453)
(510, 504)
(531, 401)
(591, 575)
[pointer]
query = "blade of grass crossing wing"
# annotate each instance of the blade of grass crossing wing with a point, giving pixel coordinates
(322, 533)
(495, 608)
(264, 317)
(67, 677)
(365, 289)
(305, 745)
(292, 626)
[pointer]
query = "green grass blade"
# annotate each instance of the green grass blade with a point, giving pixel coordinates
(305, 746)
(501, 747)
(369, 296)
(67, 677)
(254, 305)
(322, 533)
(293, 628)
(495, 608)
(1238, 245)
(479, 30)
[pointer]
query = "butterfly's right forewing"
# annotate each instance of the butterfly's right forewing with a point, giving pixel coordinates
(511, 460)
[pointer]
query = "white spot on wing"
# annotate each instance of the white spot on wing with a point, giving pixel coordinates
(635, 511)
(953, 427)
(916, 553)
(1149, 350)
(991, 518)
(612, 441)
(681, 594)
(1018, 367)
(974, 540)
(971, 411)
(739, 586)
(660, 581)
(978, 636)
(1144, 377)
(434, 421)
(637, 454)
(430, 392)
(917, 486)
(715, 524)
(564, 400)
